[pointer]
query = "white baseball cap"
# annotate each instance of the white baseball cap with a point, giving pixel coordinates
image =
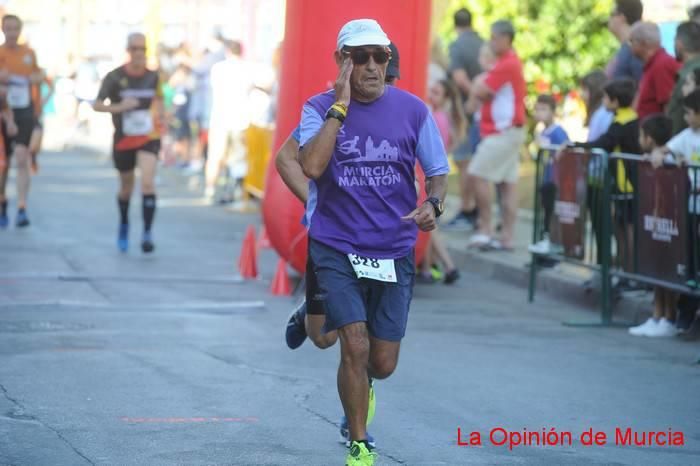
(361, 32)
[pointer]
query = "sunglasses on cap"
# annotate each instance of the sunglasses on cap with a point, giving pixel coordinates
(361, 56)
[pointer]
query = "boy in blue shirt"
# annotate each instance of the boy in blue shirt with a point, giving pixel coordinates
(552, 136)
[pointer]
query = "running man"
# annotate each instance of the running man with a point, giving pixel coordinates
(136, 105)
(19, 71)
(359, 144)
(309, 318)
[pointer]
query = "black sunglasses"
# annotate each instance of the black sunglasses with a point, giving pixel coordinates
(136, 48)
(361, 56)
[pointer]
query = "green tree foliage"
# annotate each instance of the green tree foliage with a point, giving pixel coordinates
(559, 41)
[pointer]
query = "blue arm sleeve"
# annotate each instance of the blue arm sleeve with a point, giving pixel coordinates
(430, 150)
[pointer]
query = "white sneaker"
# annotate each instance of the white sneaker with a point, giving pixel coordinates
(542, 247)
(644, 329)
(665, 328)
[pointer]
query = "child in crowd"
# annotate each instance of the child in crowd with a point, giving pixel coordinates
(444, 101)
(598, 120)
(685, 148)
(552, 134)
(448, 113)
(654, 133)
(621, 136)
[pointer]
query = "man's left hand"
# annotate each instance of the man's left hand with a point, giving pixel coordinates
(424, 216)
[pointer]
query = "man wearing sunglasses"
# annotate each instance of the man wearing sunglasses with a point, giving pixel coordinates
(136, 104)
(359, 145)
(309, 318)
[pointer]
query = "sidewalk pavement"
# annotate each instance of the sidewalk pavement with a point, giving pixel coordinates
(564, 281)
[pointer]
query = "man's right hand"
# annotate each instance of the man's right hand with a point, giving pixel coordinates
(342, 84)
(128, 104)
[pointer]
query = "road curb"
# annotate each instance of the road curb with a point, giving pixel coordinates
(631, 307)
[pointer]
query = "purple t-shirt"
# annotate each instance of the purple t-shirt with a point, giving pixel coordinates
(357, 204)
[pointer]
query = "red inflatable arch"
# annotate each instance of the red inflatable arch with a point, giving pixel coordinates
(308, 67)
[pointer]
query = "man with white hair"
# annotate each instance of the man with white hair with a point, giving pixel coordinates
(359, 145)
(660, 69)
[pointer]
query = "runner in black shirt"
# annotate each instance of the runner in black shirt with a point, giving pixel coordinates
(136, 105)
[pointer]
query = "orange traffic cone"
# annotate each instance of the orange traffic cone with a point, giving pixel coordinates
(280, 284)
(248, 261)
(264, 240)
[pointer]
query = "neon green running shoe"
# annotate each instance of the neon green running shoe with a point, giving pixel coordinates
(372, 405)
(436, 274)
(359, 455)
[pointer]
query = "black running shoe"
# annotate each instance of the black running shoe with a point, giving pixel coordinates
(296, 328)
(147, 245)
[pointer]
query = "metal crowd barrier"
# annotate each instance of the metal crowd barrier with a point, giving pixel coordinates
(661, 221)
(617, 215)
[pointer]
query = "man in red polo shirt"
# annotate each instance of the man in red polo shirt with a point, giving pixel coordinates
(497, 159)
(660, 69)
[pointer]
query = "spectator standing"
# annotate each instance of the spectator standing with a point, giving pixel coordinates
(660, 68)
(685, 147)
(621, 136)
(446, 106)
(180, 131)
(201, 101)
(464, 67)
(687, 46)
(437, 68)
(552, 134)
(497, 158)
(598, 120)
(654, 133)
(624, 64)
(231, 84)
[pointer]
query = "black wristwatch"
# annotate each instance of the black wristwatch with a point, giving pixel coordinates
(438, 205)
(333, 113)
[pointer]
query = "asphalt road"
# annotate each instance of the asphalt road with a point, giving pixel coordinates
(121, 359)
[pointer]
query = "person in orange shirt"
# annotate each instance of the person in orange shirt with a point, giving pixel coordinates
(19, 71)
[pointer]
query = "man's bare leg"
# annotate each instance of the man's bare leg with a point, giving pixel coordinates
(353, 383)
